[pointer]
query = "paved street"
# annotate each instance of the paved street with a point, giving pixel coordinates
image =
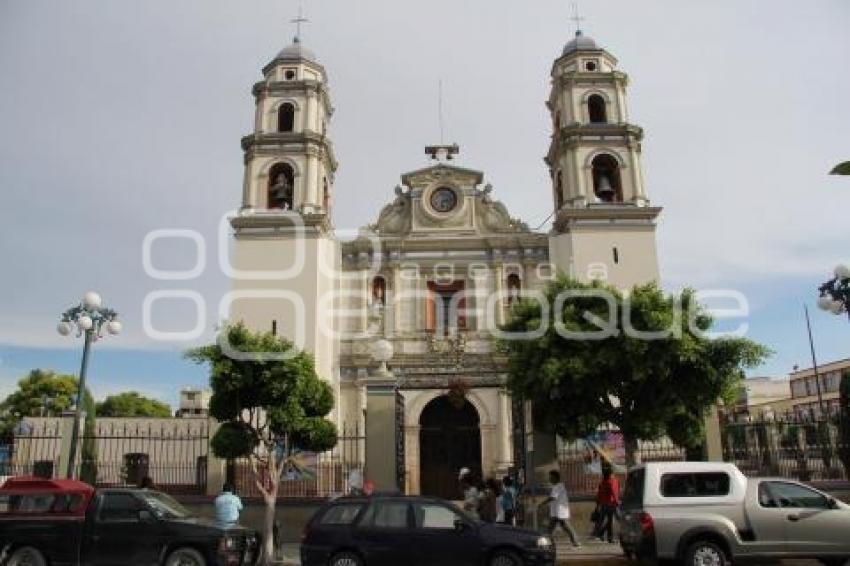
(591, 552)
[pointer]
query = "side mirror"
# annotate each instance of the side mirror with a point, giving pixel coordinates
(831, 503)
(460, 526)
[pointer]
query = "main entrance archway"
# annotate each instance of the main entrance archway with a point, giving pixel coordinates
(449, 439)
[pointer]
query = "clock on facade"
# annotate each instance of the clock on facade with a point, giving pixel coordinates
(443, 199)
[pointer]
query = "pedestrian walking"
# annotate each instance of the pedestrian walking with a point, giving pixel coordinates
(607, 501)
(559, 508)
(489, 508)
(508, 501)
(227, 506)
(471, 495)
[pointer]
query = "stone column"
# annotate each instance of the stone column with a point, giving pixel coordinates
(713, 439)
(500, 293)
(505, 430)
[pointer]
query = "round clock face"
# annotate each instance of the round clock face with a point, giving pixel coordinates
(443, 199)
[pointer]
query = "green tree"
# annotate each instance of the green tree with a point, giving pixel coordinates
(270, 403)
(841, 169)
(132, 404)
(47, 393)
(645, 387)
(844, 422)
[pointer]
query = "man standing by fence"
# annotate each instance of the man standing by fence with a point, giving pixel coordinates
(227, 506)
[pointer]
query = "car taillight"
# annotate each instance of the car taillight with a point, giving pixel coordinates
(646, 523)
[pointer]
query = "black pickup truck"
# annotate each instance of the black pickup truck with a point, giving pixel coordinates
(66, 522)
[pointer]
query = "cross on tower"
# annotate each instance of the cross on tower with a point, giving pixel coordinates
(576, 18)
(298, 21)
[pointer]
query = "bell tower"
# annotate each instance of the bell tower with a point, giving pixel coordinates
(285, 257)
(289, 159)
(604, 226)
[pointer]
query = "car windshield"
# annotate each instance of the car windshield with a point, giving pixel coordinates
(164, 506)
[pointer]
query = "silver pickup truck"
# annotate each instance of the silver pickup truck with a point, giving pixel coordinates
(710, 514)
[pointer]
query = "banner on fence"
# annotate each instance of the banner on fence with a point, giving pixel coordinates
(301, 465)
(604, 447)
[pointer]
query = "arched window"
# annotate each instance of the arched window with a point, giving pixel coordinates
(281, 186)
(596, 109)
(514, 284)
(606, 178)
(379, 291)
(285, 117)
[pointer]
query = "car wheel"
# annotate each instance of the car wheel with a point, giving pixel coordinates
(345, 559)
(706, 553)
(505, 558)
(26, 556)
(185, 557)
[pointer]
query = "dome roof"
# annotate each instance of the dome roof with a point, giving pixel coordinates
(296, 52)
(580, 42)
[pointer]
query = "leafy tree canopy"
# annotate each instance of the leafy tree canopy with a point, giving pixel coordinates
(645, 387)
(132, 404)
(841, 169)
(41, 392)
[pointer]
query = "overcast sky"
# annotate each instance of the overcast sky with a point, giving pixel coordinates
(118, 118)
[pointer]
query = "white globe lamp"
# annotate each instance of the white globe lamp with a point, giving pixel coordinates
(825, 303)
(64, 328)
(115, 327)
(85, 322)
(92, 300)
(842, 271)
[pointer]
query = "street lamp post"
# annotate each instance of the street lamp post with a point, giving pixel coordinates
(90, 319)
(835, 293)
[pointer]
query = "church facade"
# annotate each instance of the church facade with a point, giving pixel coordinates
(403, 319)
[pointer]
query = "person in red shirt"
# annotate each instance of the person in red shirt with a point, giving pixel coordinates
(607, 501)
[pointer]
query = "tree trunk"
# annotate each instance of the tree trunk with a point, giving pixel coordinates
(270, 498)
(268, 526)
(632, 452)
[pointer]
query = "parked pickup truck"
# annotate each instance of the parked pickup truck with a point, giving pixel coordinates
(66, 522)
(701, 513)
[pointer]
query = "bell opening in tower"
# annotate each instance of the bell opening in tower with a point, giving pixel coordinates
(281, 187)
(606, 179)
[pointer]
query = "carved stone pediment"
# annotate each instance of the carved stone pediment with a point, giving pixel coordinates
(395, 218)
(493, 216)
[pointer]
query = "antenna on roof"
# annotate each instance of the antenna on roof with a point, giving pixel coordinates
(440, 107)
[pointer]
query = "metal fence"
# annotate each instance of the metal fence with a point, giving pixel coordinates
(172, 454)
(34, 450)
(791, 446)
(323, 474)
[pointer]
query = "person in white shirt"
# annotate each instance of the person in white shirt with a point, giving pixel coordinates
(559, 507)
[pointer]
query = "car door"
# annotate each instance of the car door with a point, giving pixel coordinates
(118, 535)
(768, 522)
(814, 527)
(384, 533)
(444, 536)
